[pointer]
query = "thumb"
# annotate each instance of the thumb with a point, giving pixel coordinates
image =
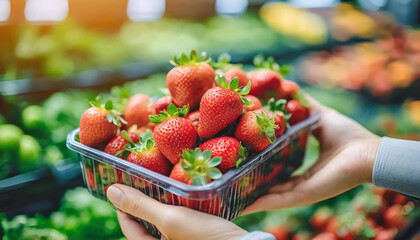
(135, 203)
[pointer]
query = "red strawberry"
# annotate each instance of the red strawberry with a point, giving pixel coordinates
(99, 124)
(321, 217)
(228, 148)
(287, 90)
(264, 83)
(162, 104)
(400, 199)
(221, 106)
(257, 103)
(190, 79)
(174, 134)
(193, 117)
(385, 234)
(196, 167)
(332, 225)
(137, 110)
(297, 110)
(90, 178)
(279, 232)
(237, 72)
(277, 108)
(148, 155)
(325, 236)
(279, 121)
(118, 143)
(394, 217)
(256, 130)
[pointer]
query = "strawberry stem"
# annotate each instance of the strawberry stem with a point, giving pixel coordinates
(243, 154)
(267, 126)
(270, 63)
(234, 85)
(171, 111)
(193, 59)
(200, 165)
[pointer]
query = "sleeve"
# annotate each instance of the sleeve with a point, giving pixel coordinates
(397, 166)
(257, 235)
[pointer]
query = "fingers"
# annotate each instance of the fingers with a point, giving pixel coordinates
(134, 202)
(131, 229)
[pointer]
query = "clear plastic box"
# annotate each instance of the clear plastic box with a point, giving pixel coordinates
(225, 197)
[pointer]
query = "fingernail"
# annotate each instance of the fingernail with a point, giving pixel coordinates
(116, 196)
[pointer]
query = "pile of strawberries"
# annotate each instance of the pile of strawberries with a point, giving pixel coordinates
(212, 120)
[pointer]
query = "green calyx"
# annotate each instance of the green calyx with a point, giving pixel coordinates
(223, 63)
(112, 116)
(234, 85)
(300, 96)
(267, 126)
(172, 111)
(278, 107)
(146, 143)
(193, 59)
(243, 154)
(270, 63)
(199, 165)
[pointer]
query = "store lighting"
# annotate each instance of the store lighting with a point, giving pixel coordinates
(4, 10)
(145, 10)
(313, 3)
(46, 10)
(231, 7)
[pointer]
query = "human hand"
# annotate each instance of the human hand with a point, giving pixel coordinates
(174, 222)
(347, 157)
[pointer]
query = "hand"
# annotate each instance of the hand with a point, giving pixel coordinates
(347, 157)
(174, 222)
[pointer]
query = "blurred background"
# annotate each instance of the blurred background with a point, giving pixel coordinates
(361, 58)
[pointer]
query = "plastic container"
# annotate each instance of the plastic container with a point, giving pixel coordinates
(225, 197)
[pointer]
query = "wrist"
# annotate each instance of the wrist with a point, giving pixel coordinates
(372, 146)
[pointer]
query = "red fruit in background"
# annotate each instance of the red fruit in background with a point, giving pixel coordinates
(151, 159)
(237, 72)
(257, 103)
(221, 106)
(255, 130)
(287, 89)
(174, 134)
(227, 148)
(99, 124)
(118, 143)
(162, 104)
(137, 110)
(325, 236)
(279, 232)
(394, 217)
(297, 110)
(301, 236)
(193, 117)
(332, 225)
(190, 79)
(385, 234)
(264, 83)
(321, 217)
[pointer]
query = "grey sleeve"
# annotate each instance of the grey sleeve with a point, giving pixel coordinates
(257, 235)
(397, 166)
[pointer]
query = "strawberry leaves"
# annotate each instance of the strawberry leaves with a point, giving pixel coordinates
(146, 143)
(200, 165)
(234, 85)
(267, 126)
(172, 111)
(243, 154)
(193, 59)
(112, 116)
(223, 63)
(270, 63)
(300, 96)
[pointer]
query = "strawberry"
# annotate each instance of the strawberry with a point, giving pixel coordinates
(228, 148)
(162, 104)
(193, 117)
(137, 110)
(118, 143)
(90, 178)
(297, 111)
(99, 124)
(257, 103)
(255, 130)
(277, 108)
(148, 155)
(385, 234)
(174, 134)
(394, 217)
(196, 167)
(236, 72)
(325, 236)
(287, 90)
(221, 106)
(190, 79)
(279, 232)
(321, 217)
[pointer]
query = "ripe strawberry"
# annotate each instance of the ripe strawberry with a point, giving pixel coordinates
(162, 104)
(99, 124)
(90, 178)
(221, 106)
(277, 108)
(394, 217)
(118, 143)
(228, 148)
(190, 79)
(137, 110)
(196, 167)
(148, 155)
(385, 234)
(174, 134)
(237, 72)
(194, 117)
(325, 236)
(298, 111)
(279, 232)
(257, 103)
(320, 218)
(256, 130)
(287, 90)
